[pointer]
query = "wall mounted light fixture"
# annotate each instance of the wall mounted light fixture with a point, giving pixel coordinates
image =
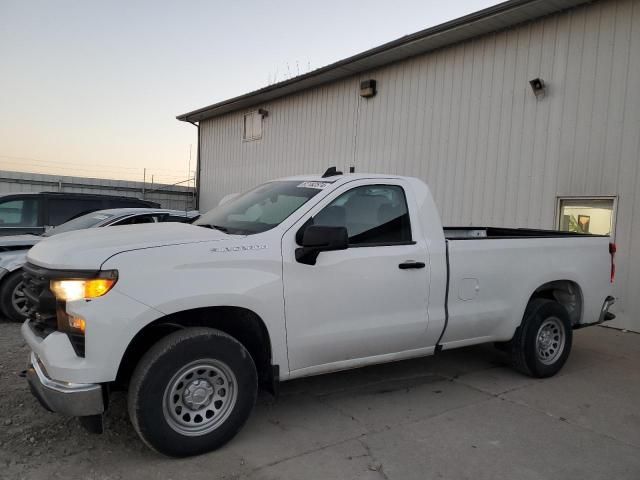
(368, 88)
(538, 87)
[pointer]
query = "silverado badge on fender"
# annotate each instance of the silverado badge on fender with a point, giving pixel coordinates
(240, 248)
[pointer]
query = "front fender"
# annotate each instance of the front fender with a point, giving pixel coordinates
(179, 278)
(13, 260)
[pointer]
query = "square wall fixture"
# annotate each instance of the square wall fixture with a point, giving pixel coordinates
(252, 126)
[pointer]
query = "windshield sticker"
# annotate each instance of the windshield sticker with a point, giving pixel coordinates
(316, 185)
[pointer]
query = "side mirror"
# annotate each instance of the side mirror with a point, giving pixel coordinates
(320, 238)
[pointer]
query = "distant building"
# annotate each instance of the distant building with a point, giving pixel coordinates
(526, 114)
(168, 196)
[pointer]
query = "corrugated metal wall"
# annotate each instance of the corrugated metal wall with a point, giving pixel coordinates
(176, 197)
(464, 119)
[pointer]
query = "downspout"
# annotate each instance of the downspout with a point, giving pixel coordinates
(197, 186)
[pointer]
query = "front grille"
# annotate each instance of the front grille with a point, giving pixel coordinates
(42, 305)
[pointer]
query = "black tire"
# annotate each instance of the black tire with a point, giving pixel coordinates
(9, 285)
(158, 374)
(542, 358)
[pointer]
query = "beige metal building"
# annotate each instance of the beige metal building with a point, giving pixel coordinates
(526, 114)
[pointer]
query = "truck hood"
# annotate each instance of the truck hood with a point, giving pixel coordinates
(19, 240)
(88, 249)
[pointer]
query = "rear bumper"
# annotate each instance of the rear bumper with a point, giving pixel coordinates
(74, 399)
(605, 314)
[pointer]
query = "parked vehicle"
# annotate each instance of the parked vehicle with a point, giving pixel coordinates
(13, 249)
(297, 277)
(37, 212)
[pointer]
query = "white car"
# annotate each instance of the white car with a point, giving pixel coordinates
(297, 277)
(13, 249)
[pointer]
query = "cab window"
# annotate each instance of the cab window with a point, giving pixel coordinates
(372, 215)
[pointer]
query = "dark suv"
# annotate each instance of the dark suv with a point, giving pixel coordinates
(35, 212)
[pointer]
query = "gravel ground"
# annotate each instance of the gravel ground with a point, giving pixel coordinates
(462, 414)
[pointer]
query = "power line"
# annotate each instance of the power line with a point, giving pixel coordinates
(98, 168)
(52, 162)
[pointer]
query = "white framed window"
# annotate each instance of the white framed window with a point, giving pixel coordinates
(595, 215)
(252, 126)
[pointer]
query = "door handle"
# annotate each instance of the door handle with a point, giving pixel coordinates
(411, 264)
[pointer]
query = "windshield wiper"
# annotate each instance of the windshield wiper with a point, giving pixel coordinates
(215, 227)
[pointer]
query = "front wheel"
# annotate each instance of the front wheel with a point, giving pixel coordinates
(542, 343)
(12, 298)
(192, 392)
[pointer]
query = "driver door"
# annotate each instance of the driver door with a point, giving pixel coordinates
(360, 302)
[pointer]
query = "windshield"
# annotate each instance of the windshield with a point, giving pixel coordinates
(84, 221)
(262, 208)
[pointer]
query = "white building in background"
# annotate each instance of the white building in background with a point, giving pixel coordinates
(526, 114)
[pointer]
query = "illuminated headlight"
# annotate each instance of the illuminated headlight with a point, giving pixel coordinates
(86, 288)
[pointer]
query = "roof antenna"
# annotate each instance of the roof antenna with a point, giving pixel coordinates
(331, 172)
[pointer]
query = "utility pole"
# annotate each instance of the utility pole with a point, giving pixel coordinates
(189, 170)
(144, 180)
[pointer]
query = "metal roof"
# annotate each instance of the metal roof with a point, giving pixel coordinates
(497, 17)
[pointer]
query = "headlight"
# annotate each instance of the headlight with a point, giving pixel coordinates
(86, 288)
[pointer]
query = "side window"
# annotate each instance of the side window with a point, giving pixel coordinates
(175, 219)
(372, 214)
(64, 209)
(138, 219)
(19, 213)
(587, 215)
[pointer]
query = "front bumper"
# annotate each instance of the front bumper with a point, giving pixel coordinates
(74, 399)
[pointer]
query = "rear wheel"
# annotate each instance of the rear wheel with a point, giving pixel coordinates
(192, 392)
(12, 298)
(542, 343)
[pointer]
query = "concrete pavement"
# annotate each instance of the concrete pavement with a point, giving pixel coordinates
(462, 414)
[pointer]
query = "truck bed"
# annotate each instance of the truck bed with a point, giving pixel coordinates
(490, 282)
(475, 233)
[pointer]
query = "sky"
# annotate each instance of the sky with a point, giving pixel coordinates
(92, 88)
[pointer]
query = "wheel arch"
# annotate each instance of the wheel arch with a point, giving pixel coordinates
(9, 269)
(565, 292)
(241, 323)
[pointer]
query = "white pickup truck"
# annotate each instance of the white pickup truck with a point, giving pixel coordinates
(297, 277)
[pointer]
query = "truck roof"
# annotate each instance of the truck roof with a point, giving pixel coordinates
(341, 178)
